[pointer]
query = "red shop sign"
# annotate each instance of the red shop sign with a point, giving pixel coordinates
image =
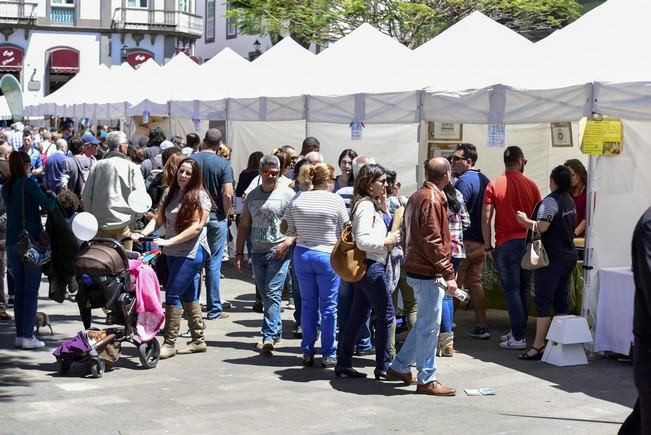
(11, 58)
(137, 58)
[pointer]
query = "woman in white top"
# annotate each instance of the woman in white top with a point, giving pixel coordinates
(183, 214)
(371, 236)
(316, 219)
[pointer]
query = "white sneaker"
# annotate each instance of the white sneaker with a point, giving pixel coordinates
(19, 342)
(32, 343)
(512, 343)
(506, 336)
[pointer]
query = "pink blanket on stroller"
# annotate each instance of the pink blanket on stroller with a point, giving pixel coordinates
(148, 300)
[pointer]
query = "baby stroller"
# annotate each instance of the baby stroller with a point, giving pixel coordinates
(102, 272)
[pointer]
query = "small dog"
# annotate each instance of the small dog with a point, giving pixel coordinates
(42, 320)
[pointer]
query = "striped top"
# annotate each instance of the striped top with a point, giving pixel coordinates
(316, 218)
(347, 194)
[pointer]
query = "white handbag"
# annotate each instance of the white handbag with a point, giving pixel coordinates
(535, 256)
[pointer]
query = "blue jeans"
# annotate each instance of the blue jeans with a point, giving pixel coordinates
(516, 283)
(270, 277)
(344, 304)
(319, 286)
(447, 315)
(420, 346)
(183, 283)
(27, 280)
(217, 232)
(370, 292)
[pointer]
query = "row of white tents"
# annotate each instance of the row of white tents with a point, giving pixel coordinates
(477, 73)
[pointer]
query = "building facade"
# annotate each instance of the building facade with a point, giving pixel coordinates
(220, 32)
(44, 43)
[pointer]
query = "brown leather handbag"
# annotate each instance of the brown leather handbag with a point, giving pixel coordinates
(346, 259)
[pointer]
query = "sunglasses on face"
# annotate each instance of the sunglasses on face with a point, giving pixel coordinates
(270, 173)
(457, 158)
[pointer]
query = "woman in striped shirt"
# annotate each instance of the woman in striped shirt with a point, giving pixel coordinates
(316, 218)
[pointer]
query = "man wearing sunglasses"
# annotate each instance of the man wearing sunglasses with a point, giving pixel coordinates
(472, 185)
(262, 212)
(504, 196)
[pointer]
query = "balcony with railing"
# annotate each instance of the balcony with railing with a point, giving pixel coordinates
(18, 12)
(133, 19)
(62, 15)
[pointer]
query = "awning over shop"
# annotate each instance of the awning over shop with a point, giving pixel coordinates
(64, 61)
(11, 58)
(137, 58)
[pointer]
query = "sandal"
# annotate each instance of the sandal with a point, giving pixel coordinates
(535, 357)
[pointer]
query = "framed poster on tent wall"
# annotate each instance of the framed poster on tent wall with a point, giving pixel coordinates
(445, 131)
(562, 134)
(438, 149)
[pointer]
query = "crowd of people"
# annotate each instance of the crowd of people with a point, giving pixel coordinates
(290, 208)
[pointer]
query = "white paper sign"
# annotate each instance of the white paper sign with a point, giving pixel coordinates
(145, 117)
(356, 130)
(197, 124)
(496, 136)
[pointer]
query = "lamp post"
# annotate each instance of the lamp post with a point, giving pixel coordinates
(256, 50)
(123, 53)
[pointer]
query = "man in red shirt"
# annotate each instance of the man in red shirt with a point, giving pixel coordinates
(505, 196)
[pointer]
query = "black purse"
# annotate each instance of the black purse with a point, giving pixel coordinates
(32, 252)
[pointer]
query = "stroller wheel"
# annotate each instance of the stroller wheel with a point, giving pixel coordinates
(63, 366)
(97, 368)
(149, 354)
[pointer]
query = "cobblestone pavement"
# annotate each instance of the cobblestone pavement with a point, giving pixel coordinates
(233, 389)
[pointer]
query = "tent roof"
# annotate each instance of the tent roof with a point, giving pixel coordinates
(473, 35)
(601, 46)
(285, 53)
(226, 57)
(179, 62)
(365, 60)
(476, 43)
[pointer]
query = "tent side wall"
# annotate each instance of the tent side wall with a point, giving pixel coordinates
(621, 186)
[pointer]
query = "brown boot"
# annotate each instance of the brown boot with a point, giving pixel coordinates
(446, 344)
(407, 378)
(172, 326)
(435, 388)
(195, 322)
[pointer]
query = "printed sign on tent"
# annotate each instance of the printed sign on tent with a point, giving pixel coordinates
(356, 130)
(496, 136)
(603, 137)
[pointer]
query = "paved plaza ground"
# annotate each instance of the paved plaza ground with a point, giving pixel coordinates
(233, 389)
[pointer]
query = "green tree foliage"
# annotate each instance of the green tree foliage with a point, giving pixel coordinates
(411, 22)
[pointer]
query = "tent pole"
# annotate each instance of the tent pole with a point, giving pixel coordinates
(227, 104)
(419, 133)
(306, 113)
(169, 113)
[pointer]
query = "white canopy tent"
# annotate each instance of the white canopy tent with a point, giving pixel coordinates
(158, 86)
(202, 101)
(602, 48)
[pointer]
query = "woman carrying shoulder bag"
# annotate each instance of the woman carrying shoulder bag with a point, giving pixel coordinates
(24, 198)
(371, 236)
(555, 218)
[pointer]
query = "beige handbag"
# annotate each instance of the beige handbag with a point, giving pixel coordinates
(535, 256)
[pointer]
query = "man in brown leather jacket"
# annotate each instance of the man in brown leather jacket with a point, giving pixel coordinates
(430, 274)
